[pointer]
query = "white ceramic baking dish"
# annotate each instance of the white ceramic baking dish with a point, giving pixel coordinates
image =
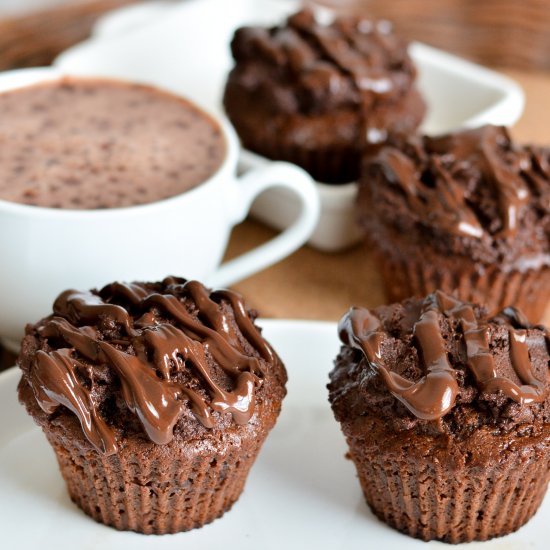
(185, 48)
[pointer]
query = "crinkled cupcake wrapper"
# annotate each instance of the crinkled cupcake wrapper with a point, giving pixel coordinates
(153, 496)
(431, 502)
(529, 291)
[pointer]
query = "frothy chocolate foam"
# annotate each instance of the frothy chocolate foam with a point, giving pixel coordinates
(80, 143)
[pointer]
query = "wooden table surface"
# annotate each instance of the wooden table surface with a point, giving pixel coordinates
(313, 285)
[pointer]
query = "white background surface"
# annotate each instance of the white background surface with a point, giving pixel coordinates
(302, 493)
(16, 7)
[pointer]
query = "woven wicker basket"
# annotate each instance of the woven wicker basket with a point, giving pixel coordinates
(37, 37)
(512, 33)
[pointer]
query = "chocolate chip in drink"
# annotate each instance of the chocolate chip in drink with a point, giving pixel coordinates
(82, 143)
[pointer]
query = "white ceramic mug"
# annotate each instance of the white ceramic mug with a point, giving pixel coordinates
(46, 250)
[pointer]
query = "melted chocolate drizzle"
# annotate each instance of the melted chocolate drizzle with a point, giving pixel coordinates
(160, 348)
(434, 395)
(433, 172)
(353, 61)
(86, 307)
(339, 48)
(56, 383)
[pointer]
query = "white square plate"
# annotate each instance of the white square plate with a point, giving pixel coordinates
(185, 48)
(301, 493)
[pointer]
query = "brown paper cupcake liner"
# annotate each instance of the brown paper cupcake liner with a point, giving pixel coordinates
(529, 291)
(132, 491)
(430, 501)
(326, 165)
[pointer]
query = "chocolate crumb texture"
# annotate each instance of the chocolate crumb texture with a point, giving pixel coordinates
(467, 213)
(446, 411)
(156, 398)
(316, 94)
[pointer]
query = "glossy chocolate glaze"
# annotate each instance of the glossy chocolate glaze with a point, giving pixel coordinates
(434, 394)
(56, 383)
(316, 68)
(147, 352)
(470, 183)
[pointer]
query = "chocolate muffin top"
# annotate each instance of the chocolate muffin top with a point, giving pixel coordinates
(441, 366)
(474, 193)
(317, 94)
(309, 68)
(162, 361)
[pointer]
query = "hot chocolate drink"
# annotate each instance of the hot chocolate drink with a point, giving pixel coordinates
(78, 143)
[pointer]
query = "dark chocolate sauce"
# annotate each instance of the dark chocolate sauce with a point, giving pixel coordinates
(56, 383)
(433, 395)
(360, 49)
(351, 61)
(437, 177)
(159, 349)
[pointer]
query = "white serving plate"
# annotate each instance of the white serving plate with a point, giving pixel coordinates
(185, 48)
(302, 493)
(128, 18)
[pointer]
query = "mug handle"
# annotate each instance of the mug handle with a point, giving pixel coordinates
(247, 188)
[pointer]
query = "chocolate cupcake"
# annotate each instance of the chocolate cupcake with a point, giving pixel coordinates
(447, 416)
(467, 213)
(315, 94)
(156, 398)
